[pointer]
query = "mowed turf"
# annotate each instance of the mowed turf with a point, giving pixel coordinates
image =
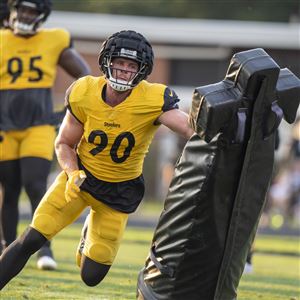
(276, 275)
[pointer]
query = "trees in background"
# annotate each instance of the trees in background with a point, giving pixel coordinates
(251, 10)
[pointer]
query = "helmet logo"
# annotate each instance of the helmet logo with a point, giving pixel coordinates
(28, 4)
(127, 52)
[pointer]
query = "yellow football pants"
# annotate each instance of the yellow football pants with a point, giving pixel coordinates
(36, 141)
(105, 228)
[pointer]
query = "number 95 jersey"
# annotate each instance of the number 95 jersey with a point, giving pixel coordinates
(116, 139)
(31, 62)
(27, 73)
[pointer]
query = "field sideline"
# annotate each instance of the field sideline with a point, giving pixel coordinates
(276, 275)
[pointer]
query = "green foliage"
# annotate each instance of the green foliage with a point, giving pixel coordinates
(256, 10)
(275, 276)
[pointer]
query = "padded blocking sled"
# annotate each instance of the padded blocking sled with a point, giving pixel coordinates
(218, 189)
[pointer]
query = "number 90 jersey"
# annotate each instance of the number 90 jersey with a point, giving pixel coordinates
(116, 139)
(31, 62)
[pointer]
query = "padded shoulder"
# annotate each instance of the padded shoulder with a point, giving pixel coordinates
(160, 94)
(75, 98)
(58, 36)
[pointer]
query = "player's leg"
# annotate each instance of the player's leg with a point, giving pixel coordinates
(36, 153)
(11, 185)
(82, 241)
(14, 257)
(51, 216)
(105, 230)
(35, 172)
(10, 179)
(92, 272)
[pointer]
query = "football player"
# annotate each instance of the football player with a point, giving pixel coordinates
(29, 58)
(101, 147)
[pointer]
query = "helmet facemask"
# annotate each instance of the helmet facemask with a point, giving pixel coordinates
(128, 45)
(21, 22)
(119, 84)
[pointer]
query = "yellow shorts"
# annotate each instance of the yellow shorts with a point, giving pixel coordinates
(105, 228)
(36, 141)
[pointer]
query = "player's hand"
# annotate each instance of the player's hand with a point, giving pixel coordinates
(76, 178)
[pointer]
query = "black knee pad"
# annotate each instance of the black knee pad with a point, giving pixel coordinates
(92, 273)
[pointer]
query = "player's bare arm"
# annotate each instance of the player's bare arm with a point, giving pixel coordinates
(177, 121)
(68, 137)
(72, 62)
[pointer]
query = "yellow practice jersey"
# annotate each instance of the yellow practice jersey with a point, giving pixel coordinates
(30, 62)
(116, 139)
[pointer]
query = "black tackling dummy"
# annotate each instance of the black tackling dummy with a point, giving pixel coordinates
(217, 194)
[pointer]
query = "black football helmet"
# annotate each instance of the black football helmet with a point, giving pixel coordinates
(4, 13)
(131, 45)
(25, 27)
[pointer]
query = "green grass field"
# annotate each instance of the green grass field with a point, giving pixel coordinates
(276, 276)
